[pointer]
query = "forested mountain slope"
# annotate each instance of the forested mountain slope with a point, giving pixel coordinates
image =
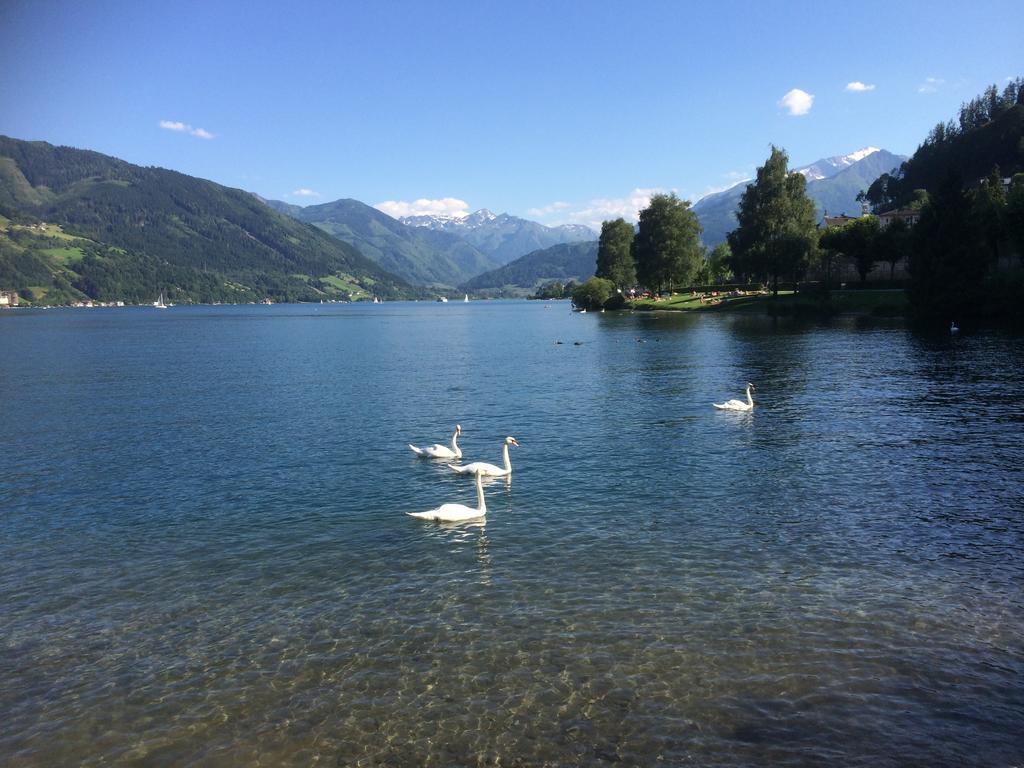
(988, 132)
(567, 261)
(152, 230)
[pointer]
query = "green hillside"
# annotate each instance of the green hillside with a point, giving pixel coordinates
(416, 254)
(141, 231)
(567, 261)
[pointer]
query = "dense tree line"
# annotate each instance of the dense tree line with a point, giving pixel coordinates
(988, 131)
(969, 220)
(864, 243)
(555, 290)
(978, 112)
(962, 235)
(776, 237)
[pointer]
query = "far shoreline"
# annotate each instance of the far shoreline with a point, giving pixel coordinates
(866, 302)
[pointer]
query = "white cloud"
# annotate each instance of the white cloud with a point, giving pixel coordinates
(858, 87)
(303, 192)
(547, 210)
(180, 127)
(446, 206)
(797, 102)
(930, 85)
(601, 209)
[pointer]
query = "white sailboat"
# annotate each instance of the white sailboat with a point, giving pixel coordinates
(467, 297)
(159, 303)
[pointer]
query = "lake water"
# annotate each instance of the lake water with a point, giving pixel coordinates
(205, 557)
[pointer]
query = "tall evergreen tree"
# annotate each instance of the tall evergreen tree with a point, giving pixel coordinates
(777, 233)
(614, 253)
(667, 247)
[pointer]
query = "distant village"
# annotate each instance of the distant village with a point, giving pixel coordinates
(10, 299)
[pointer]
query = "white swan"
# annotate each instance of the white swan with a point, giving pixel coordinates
(438, 451)
(489, 470)
(453, 513)
(738, 405)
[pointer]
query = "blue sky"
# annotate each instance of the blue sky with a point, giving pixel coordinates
(556, 111)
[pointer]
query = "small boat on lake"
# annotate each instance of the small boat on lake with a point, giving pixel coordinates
(442, 299)
(159, 303)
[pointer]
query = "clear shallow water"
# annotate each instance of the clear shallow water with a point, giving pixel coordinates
(204, 556)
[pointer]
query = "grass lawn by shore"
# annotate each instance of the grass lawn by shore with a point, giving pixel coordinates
(880, 303)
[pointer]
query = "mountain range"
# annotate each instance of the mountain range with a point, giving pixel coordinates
(502, 236)
(435, 251)
(833, 183)
(421, 256)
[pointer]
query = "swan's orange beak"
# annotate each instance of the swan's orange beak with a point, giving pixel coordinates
(515, 442)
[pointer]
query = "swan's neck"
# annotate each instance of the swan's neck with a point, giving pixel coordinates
(480, 503)
(750, 400)
(455, 443)
(508, 461)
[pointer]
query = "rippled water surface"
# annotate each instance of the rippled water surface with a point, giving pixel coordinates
(204, 556)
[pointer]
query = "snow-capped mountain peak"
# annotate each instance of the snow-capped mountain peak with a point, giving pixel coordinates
(479, 218)
(447, 222)
(830, 166)
(432, 220)
(501, 235)
(860, 154)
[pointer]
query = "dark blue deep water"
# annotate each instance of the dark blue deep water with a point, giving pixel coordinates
(205, 557)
